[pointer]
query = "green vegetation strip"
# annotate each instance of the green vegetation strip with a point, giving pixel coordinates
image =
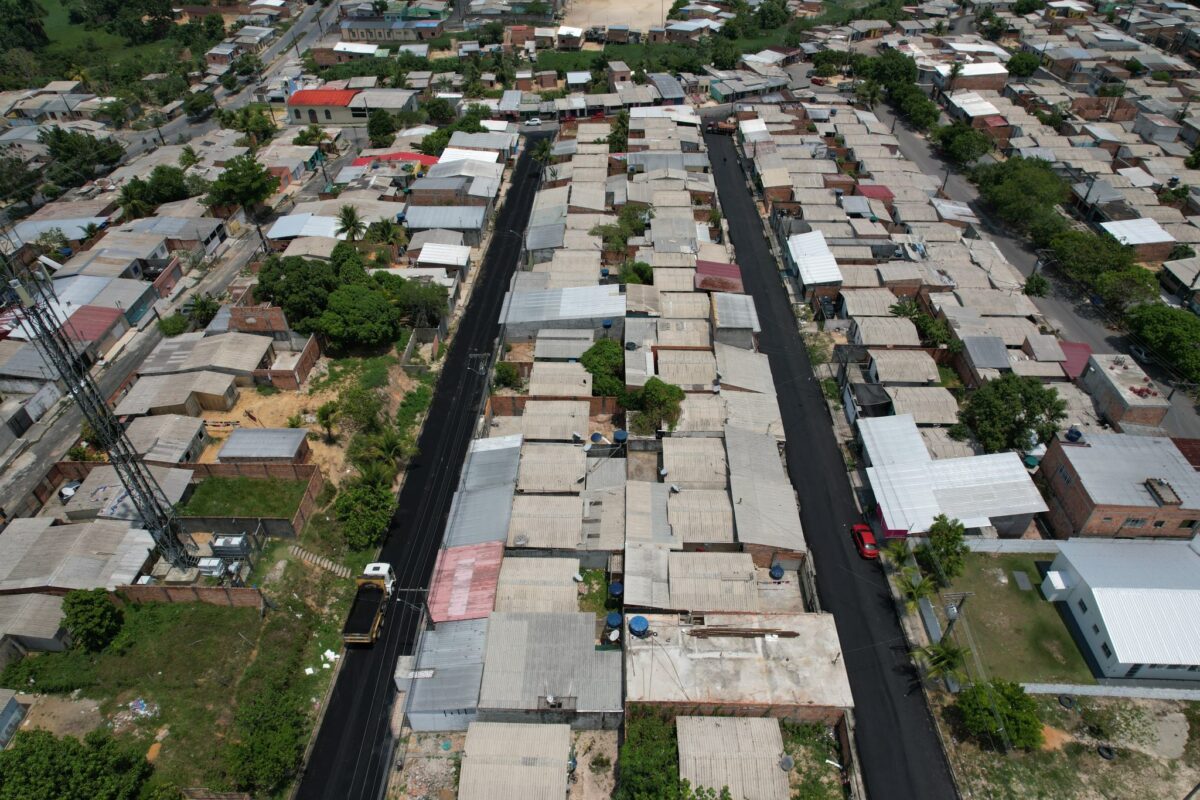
(244, 497)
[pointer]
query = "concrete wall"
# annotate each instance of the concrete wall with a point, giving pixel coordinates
(239, 596)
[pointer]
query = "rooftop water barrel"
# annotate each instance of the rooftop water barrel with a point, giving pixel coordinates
(613, 620)
(639, 626)
(616, 588)
(776, 573)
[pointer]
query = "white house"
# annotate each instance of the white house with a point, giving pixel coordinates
(1136, 603)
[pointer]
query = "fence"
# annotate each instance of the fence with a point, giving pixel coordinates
(272, 526)
(503, 405)
(233, 596)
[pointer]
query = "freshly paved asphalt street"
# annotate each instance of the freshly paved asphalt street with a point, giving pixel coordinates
(901, 757)
(353, 752)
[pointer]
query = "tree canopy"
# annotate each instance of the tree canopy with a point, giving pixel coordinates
(365, 511)
(999, 710)
(1172, 334)
(605, 360)
(656, 402)
(244, 182)
(961, 143)
(946, 551)
(358, 315)
(1012, 413)
(1023, 64)
(77, 157)
(40, 766)
(91, 618)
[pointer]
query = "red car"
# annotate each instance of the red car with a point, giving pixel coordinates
(864, 540)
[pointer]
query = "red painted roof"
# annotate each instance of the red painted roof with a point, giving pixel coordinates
(717, 276)
(875, 192)
(92, 323)
(1190, 449)
(405, 155)
(322, 97)
(1077, 354)
(995, 121)
(464, 582)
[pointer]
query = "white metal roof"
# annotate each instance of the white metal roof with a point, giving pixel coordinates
(811, 256)
(453, 255)
(1137, 231)
(972, 490)
(974, 70)
(451, 154)
(892, 440)
(1148, 594)
(1114, 469)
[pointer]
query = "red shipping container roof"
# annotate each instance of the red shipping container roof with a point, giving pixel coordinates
(322, 97)
(875, 192)
(717, 276)
(420, 158)
(1077, 354)
(464, 582)
(92, 323)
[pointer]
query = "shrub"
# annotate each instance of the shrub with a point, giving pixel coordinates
(1037, 285)
(91, 618)
(507, 376)
(1001, 708)
(365, 510)
(173, 325)
(605, 361)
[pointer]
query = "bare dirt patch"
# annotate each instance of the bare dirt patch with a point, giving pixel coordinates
(62, 716)
(637, 15)
(430, 767)
(596, 755)
(1055, 738)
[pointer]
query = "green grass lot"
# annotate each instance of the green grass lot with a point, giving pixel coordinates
(1018, 635)
(244, 497)
(68, 40)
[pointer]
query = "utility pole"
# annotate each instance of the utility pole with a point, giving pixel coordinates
(954, 607)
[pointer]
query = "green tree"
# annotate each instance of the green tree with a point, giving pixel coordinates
(357, 316)
(386, 231)
(1023, 64)
(507, 376)
(244, 182)
(439, 110)
(649, 758)
(1172, 334)
(1023, 7)
(725, 53)
(961, 143)
(17, 181)
(77, 157)
(350, 223)
(91, 618)
(605, 360)
(869, 93)
(656, 402)
(204, 309)
(311, 136)
(1021, 190)
(542, 152)
(188, 157)
(914, 587)
(173, 325)
(301, 287)
(365, 511)
(134, 199)
(251, 121)
(1000, 710)
(1036, 285)
(1122, 289)
(946, 550)
(381, 127)
(327, 414)
(361, 409)
(639, 272)
(198, 103)
(1012, 413)
(40, 766)
(943, 659)
(1085, 256)
(618, 135)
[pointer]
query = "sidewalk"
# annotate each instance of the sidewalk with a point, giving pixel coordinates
(1138, 692)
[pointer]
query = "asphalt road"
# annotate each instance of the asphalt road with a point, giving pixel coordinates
(1065, 309)
(353, 751)
(901, 755)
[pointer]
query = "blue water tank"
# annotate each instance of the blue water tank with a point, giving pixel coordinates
(607, 324)
(620, 436)
(613, 620)
(776, 573)
(616, 588)
(1074, 434)
(639, 626)
(597, 438)
(604, 272)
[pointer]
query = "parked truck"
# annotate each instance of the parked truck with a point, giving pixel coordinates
(370, 604)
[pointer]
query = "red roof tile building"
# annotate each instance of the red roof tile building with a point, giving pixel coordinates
(464, 582)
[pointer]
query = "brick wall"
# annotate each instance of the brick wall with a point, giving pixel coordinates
(290, 380)
(514, 405)
(257, 319)
(235, 596)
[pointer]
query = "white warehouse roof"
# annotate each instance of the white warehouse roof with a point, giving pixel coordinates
(812, 257)
(1148, 594)
(1137, 231)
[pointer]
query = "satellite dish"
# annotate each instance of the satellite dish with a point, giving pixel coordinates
(520, 540)
(577, 578)
(674, 488)
(787, 763)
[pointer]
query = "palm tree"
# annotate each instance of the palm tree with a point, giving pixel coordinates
(897, 551)
(914, 587)
(188, 157)
(956, 69)
(869, 93)
(386, 231)
(350, 223)
(132, 199)
(90, 231)
(939, 28)
(542, 152)
(376, 473)
(943, 659)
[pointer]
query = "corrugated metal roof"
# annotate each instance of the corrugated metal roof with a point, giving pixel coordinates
(454, 255)
(464, 582)
(459, 218)
(703, 516)
(545, 585)
(764, 503)
(450, 659)
(1147, 593)
(101, 554)
(734, 310)
(904, 366)
(1137, 231)
(928, 405)
(531, 657)
(548, 306)
(724, 582)
(743, 369)
(558, 379)
(481, 507)
(550, 522)
(38, 616)
(263, 443)
(164, 437)
(645, 519)
(986, 352)
(738, 753)
(694, 462)
(812, 258)
(892, 440)
(972, 490)
(502, 759)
